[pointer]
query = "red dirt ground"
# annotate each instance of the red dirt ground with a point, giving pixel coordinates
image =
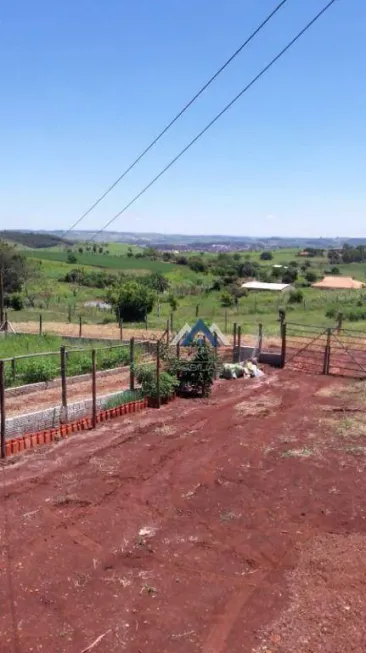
(234, 524)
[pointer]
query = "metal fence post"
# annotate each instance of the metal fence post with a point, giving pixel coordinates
(2, 409)
(63, 376)
(283, 344)
(132, 367)
(158, 402)
(94, 389)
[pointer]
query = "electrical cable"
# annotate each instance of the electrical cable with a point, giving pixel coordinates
(217, 117)
(176, 118)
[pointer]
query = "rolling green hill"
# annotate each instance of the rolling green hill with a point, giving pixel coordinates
(33, 240)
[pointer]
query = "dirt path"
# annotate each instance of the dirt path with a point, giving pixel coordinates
(229, 525)
(89, 330)
(40, 400)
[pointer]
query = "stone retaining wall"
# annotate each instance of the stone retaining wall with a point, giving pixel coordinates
(50, 417)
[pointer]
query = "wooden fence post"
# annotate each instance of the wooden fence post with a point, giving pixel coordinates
(40, 324)
(2, 409)
(158, 402)
(239, 343)
(326, 362)
(13, 369)
(171, 321)
(94, 389)
(178, 350)
(197, 310)
(283, 344)
(225, 321)
(234, 339)
(260, 337)
(63, 376)
(69, 313)
(167, 332)
(339, 322)
(215, 350)
(80, 326)
(132, 366)
(146, 321)
(121, 329)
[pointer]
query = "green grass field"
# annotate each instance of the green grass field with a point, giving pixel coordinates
(59, 301)
(105, 261)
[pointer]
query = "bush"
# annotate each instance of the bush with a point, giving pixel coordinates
(196, 375)
(146, 377)
(296, 297)
(36, 371)
(331, 313)
(266, 256)
(16, 302)
(227, 300)
(133, 301)
(310, 276)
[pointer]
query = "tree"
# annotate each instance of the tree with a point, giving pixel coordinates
(289, 276)
(335, 271)
(132, 301)
(173, 302)
(197, 265)
(227, 299)
(95, 248)
(100, 250)
(266, 256)
(158, 282)
(80, 250)
(310, 276)
(15, 268)
(71, 257)
(129, 252)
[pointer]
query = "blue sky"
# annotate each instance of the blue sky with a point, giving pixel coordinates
(86, 85)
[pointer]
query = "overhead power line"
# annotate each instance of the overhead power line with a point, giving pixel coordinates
(172, 122)
(217, 117)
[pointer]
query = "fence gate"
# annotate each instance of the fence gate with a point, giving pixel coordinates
(347, 356)
(307, 348)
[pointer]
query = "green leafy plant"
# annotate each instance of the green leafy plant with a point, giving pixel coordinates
(197, 374)
(35, 371)
(146, 376)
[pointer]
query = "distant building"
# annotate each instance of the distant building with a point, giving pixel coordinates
(262, 285)
(338, 283)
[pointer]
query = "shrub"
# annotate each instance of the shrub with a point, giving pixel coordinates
(196, 375)
(133, 301)
(296, 297)
(331, 313)
(16, 302)
(35, 371)
(227, 300)
(266, 256)
(146, 376)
